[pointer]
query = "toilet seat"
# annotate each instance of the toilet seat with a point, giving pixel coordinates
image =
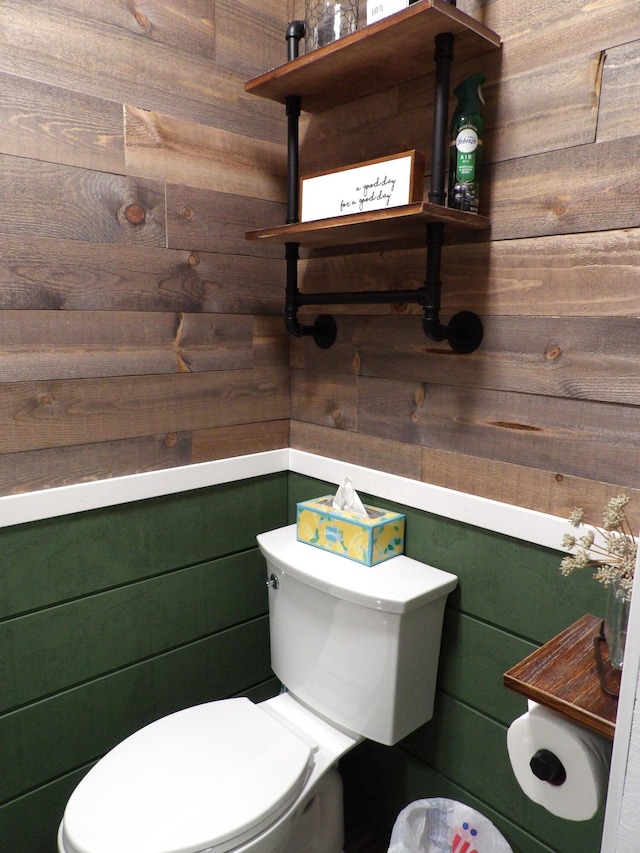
(191, 782)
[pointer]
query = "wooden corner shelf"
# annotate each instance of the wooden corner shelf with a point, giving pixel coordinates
(375, 57)
(393, 223)
(562, 675)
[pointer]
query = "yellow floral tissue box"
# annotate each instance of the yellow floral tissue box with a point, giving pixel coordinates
(366, 539)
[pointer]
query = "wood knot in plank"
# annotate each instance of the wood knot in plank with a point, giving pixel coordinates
(135, 214)
(170, 440)
(553, 353)
(562, 206)
(193, 260)
(142, 20)
(516, 426)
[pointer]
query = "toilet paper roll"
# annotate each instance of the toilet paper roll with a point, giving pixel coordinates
(584, 755)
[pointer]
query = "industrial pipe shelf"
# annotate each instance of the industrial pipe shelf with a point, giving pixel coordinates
(400, 47)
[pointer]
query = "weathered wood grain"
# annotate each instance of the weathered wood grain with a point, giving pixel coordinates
(47, 273)
(325, 399)
(51, 200)
(565, 30)
(593, 28)
(520, 485)
(203, 220)
(574, 358)
(547, 194)
(190, 27)
(545, 109)
(59, 413)
(587, 275)
(214, 342)
(382, 454)
(163, 148)
(616, 116)
(55, 44)
(53, 124)
(250, 37)
(73, 345)
(270, 342)
(65, 466)
(573, 437)
(511, 483)
(593, 274)
(222, 442)
(82, 463)
(70, 345)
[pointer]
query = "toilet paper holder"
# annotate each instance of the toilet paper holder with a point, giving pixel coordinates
(546, 766)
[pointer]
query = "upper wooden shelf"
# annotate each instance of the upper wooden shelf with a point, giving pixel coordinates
(380, 55)
(392, 223)
(563, 675)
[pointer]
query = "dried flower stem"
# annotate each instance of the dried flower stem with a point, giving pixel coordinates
(613, 560)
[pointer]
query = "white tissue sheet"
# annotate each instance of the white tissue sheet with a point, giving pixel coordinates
(586, 757)
(346, 498)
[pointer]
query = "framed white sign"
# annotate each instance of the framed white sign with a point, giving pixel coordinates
(372, 185)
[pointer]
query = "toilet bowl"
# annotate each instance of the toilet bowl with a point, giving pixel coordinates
(223, 776)
(357, 648)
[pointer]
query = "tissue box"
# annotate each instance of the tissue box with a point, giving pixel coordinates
(366, 540)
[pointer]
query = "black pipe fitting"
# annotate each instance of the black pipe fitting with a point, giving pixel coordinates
(295, 31)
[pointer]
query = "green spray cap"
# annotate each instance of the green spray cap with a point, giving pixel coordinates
(469, 95)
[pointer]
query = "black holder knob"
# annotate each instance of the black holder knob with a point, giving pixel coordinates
(547, 767)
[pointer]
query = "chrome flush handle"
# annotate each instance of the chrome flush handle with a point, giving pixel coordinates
(273, 582)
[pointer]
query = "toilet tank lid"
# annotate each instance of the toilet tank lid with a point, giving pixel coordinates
(395, 586)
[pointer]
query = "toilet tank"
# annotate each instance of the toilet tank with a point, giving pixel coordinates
(359, 645)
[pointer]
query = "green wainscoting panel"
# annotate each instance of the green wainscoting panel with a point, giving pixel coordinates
(54, 649)
(30, 823)
(67, 557)
(473, 657)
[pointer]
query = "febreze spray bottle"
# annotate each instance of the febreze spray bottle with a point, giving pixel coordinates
(466, 145)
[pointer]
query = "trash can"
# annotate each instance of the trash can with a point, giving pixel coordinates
(439, 825)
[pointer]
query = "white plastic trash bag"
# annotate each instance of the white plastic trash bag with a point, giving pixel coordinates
(439, 825)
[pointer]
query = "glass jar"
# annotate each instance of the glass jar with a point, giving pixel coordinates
(616, 622)
(327, 21)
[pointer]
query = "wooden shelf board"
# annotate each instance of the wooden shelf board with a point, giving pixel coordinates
(380, 55)
(393, 223)
(562, 675)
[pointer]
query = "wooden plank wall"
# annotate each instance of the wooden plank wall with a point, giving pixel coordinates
(138, 329)
(545, 413)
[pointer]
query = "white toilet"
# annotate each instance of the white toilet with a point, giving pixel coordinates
(357, 649)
